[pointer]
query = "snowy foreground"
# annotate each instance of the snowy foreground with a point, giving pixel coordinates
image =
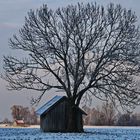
(95, 133)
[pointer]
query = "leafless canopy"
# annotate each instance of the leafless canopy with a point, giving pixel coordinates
(78, 49)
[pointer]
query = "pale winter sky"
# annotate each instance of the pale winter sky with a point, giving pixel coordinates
(12, 14)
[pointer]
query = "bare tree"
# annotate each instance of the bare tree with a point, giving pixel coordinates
(6, 121)
(78, 49)
(109, 113)
(124, 120)
(33, 117)
(24, 113)
(104, 115)
(16, 112)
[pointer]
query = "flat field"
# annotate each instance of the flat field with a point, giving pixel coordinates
(91, 133)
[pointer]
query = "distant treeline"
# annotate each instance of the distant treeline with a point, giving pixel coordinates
(19, 112)
(104, 115)
(107, 115)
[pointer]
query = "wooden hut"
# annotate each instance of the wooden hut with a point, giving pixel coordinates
(54, 115)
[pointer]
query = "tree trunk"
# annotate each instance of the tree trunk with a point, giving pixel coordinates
(74, 123)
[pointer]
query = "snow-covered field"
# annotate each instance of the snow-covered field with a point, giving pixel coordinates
(96, 133)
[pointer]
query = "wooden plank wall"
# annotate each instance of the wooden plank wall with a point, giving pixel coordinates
(54, 120)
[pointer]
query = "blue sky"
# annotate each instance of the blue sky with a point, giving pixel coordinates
(12, 14)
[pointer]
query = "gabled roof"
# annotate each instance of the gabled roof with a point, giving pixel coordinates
(46, 107)
(19, 121)
(49, 104)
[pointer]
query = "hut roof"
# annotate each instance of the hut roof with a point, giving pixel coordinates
(19, 121)
(46, 107)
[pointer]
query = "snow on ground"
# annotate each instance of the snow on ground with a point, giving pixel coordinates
(92, 133)
(10, 126)
(109, 127)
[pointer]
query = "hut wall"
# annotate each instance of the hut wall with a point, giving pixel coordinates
(79, 121)
(54, 120)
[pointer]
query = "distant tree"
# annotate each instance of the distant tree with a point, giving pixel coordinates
(86, 118)
(79, 49)
(6, 121)
(16, 112)
(97, 118)
(33, 116)
(109, 112)
(134, 121)
(129, 119)
(104, 115)
(24, 113)
(92, 116)
(124, 120)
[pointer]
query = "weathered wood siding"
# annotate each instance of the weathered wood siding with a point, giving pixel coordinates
(79, 121)
(54, 120)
